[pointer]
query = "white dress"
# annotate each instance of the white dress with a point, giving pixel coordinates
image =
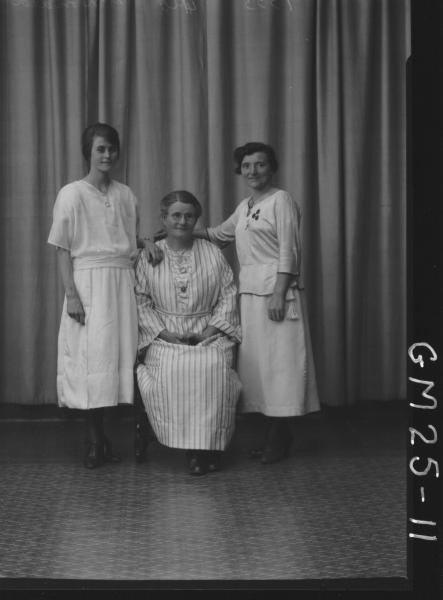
(275, 362)
(190, 392)
(96, 360)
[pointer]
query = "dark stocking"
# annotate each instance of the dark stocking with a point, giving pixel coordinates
(95, 438)
(94, 426)
(278, 440)
(142, 427)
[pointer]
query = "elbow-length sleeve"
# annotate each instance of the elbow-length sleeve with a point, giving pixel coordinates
(63, 222)
(149, 322)
(288, 215)
(225, 313)
(224, 234)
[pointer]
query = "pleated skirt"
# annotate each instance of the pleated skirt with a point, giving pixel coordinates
(190, 393)
(96, 360)
(275, 361)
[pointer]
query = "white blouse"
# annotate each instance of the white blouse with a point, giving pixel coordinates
(267, 241)
(91, 224)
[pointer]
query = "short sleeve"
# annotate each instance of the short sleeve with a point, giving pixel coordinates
(62, 230)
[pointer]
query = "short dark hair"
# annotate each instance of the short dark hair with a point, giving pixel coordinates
(180, 196)
(98, 130)
(252, 148)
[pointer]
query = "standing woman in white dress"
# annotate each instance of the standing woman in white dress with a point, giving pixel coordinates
(275, 362)
(95, 225)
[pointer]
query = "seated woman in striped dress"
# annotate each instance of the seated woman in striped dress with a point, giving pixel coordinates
(188, 331)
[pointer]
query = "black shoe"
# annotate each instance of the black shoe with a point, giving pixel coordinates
(256, 452)
(214, 460)
(94, 456)
(140, 445)
(278, 442)
(108, 455)
(276, 450)
(273, 454)
(197, 465)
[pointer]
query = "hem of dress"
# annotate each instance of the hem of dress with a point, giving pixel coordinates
(219, 447)
(125, 403)
(279, 413)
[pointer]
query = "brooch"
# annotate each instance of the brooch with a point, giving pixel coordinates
(254, 215)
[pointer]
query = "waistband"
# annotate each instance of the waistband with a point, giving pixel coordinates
(93, 262)
(175, 314)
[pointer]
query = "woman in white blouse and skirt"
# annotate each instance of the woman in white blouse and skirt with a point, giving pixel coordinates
(275, 361)
(188, 332)
(94, 230)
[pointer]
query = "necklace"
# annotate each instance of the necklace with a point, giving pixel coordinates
(181, 267)
(103, 192)
(102, 189)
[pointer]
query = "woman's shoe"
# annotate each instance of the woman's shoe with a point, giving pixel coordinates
(214, 460)
(108, 455)
(256, 452)
(273, 454)
(197, 466)
(94, 456)
(140, 445)
(278, 443)
(276, 450)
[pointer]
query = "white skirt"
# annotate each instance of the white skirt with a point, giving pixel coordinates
(190, 393)
(275, 361)
(96, 361)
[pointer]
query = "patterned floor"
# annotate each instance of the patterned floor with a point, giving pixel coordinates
(335, 509)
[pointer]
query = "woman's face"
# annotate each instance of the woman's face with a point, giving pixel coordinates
(256, 170)
(180, 221)
(103, 155)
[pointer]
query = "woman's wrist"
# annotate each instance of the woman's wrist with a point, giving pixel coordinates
(71, 292)
(279, 292)
(210, 331)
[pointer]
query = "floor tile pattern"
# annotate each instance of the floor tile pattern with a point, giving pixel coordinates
(335, 509)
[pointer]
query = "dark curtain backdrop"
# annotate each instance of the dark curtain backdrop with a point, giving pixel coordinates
(184, 82)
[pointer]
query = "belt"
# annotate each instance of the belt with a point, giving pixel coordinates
(93, 262)
(175, 314)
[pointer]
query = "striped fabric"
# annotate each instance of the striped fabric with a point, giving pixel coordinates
(189, 392)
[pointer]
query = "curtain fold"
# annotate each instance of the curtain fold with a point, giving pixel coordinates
(185, 82)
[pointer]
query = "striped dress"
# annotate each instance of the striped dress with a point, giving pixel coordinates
(190, 392)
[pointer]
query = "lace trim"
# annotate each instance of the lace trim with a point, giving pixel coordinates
(181, 266)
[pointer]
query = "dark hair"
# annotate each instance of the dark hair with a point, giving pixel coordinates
(252, 148)
(180, 196)
(101, 130)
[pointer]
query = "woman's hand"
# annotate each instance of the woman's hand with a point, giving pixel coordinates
(276, 307)
(74, 308)
(154, 254)
(170, 336)
(192, 339)
(141, 354)
(201, 233)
